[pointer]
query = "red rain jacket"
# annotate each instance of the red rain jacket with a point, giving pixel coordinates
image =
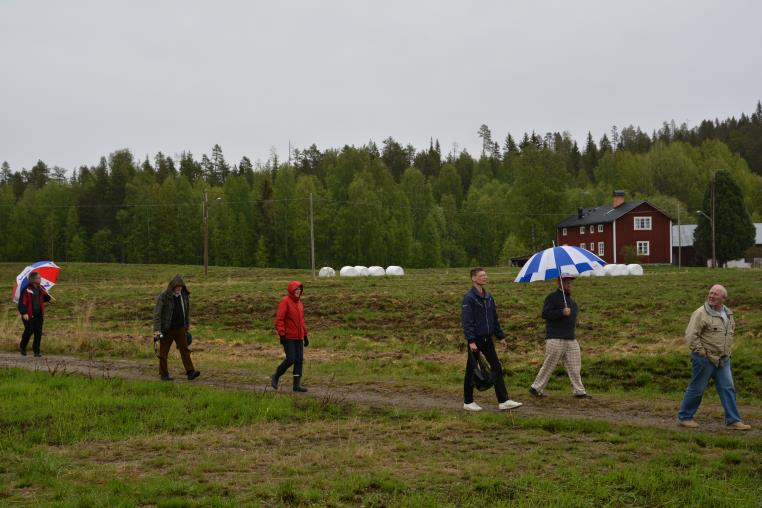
(289, 320)
(25, 302)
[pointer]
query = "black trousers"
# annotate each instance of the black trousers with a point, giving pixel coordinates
(294, 356)
(487, 347)
(32, 326)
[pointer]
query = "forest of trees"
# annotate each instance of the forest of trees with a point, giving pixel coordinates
(387, 204)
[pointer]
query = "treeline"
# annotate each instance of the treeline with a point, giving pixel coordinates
(383, 205)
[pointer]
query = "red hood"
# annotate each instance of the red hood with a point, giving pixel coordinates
(292, 287)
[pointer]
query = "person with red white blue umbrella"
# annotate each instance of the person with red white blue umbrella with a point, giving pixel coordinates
(31, 293)
(32, 308)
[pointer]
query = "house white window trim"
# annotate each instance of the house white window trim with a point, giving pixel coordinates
(582, 230)
(643, 248)
(592, 229)
(600, 248)
(563, 231)
(642, 223)
(600, 228)
(582, 245)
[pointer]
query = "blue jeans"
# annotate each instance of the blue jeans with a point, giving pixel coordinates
(703, 370)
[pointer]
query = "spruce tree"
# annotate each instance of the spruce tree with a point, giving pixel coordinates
(734, 231)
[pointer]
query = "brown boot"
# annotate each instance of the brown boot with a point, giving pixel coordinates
(690, 424)
(739, 425)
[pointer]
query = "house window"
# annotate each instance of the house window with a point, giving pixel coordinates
(592, 228)
(600, 248)
(582, 245)
(582, 230)
(642, 223)
(600, 228)
(563, 232)
(644, 248)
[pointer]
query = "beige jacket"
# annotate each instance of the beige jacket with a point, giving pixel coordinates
(707, 333)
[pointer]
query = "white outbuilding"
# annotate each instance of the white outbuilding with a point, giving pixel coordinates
(395, 271)
(327, 271)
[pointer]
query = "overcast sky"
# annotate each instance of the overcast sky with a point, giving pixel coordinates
(81, 79)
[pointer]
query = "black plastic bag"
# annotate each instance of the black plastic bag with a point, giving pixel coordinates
(482, 378)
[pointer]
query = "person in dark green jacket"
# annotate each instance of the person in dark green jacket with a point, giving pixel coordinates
(171, 322)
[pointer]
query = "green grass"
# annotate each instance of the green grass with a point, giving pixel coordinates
(196, 446)
(67, 440)
(62, 409)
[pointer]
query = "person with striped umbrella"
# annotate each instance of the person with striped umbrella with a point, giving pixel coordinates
(559, 311)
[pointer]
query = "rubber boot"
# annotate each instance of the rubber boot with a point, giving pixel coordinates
(298, 384)
(274, 381)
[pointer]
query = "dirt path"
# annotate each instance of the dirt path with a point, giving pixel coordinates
(656, 412)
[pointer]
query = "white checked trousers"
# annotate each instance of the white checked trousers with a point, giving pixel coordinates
(568, 351)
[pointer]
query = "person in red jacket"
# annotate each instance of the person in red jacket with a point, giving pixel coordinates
(289, 322)
(32, 308)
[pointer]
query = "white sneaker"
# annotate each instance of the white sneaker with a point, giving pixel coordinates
(509, 404)
(472, 407)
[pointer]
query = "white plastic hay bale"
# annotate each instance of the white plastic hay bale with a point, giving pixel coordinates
(635, 269)
(362, 271)
(609, 269)
(620, 270)
(348, 271)
(586, 273)
(327, 271)
(599, 271)
(376, 271)
(395, 271)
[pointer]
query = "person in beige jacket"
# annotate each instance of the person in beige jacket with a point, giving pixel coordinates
(710, 337)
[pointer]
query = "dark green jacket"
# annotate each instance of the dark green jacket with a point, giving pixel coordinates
(162, 312)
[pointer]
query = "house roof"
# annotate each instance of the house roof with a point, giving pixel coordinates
(599, 214)
(686, 234)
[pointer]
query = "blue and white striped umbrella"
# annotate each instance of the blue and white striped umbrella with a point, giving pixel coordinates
(549, 263)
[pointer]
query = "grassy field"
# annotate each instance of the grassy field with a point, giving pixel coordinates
(72, 440)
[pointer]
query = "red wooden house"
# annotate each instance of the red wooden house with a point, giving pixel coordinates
(608, 230)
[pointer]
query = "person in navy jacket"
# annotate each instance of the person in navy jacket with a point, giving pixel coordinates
(32, 309)
(480, 323)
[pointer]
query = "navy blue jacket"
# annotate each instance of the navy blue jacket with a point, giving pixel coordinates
(479, 316)
(558, 326)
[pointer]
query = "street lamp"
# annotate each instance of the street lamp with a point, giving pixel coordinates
(711, 222)
(206, 231)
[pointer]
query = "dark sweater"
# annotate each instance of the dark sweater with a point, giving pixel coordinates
(558, 326)
(178, 313)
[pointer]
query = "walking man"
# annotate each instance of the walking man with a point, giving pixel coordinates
(290, 325)
(171, 321)
(480, 323)
(560, 314)
(32, 309)
(710, 338)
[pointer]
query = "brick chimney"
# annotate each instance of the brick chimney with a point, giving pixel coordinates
(618, 198)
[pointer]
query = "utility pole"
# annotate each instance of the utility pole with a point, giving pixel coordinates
(312, 236)
(205, 220)
(714, 238)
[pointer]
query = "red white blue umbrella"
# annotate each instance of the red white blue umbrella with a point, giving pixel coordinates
(551, 263)
(48, 271)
